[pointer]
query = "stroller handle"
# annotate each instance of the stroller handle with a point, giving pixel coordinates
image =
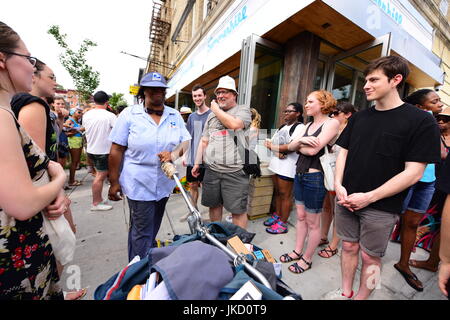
(171, 172)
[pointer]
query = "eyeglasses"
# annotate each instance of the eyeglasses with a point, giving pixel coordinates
(444, 119)
(222, 92)
(32, 60)
(288, 111)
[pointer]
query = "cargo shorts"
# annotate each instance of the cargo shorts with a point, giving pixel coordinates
(369, 227)
(227, 189)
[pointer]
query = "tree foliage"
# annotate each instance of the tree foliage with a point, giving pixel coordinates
(117, 100)
(86, 80)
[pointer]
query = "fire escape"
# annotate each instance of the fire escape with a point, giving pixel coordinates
(159, 31)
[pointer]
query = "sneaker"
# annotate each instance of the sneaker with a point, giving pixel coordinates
(106, 202)
(278, 227)
(274, 218)
(229, 219)
(337, 294)
(101, 207)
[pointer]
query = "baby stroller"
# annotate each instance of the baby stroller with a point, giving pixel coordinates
(197, 266)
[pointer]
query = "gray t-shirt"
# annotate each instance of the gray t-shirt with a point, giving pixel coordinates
(195, 124)
(222, 154)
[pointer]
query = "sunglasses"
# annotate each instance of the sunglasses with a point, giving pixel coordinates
(288, 111)
(444, 119)
(335, 113)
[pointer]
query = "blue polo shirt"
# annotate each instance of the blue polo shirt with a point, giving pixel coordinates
(141, 177)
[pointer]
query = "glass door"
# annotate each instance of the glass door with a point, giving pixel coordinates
(260, 78)
(346, 80)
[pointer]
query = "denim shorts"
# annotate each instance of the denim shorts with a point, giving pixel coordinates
(310, 191)
(419, 197)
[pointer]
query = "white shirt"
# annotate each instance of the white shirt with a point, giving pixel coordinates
(285, 167)
(98, 124)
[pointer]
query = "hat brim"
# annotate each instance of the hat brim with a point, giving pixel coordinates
(153, 84)
(225, 89)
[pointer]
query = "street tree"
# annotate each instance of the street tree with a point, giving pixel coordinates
(86, 80)
(117, 100)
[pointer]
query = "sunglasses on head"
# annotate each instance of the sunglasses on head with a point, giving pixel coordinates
(444, 119)
(334, 113)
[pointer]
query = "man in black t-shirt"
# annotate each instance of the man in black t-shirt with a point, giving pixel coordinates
(384, 151)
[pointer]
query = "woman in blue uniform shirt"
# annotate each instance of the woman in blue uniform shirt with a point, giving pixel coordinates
(145, 135)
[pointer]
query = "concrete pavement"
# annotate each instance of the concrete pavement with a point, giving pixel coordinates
(102, 251)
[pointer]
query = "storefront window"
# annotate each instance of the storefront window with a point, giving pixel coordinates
(266, 84)
(342, 83)
(319, 76)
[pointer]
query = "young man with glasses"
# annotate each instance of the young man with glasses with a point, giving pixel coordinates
(225, 184)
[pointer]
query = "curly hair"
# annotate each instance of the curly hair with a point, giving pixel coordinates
(326, 99)
(256, 118)
(418, 97)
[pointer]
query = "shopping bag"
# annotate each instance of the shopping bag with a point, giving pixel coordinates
(61, 237)
(59, 232)
(328, 162)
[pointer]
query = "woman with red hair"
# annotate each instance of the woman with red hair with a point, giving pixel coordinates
(309, 188)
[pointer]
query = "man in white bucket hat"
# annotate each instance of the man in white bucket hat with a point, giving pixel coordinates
(225, 184)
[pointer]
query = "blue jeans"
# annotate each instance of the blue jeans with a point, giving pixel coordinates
(419, 197)
(145, 220)
(310, 191)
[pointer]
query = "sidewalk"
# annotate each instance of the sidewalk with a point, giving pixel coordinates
(102, 251)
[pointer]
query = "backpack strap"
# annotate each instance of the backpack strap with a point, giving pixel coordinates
(292, 129)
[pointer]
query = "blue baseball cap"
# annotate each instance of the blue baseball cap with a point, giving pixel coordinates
(153, 79)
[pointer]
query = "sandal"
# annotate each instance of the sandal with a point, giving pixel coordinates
(323, 242)
(285, 258)
(75, 183)
(327, 252)
(297, 269)
(278, 228)
(79, 294)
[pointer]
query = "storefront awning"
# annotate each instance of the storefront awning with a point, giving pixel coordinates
(411, 35)
(225, 37)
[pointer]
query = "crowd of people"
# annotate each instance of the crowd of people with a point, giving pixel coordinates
(388, 163)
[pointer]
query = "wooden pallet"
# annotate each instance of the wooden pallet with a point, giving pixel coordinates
(259, 216)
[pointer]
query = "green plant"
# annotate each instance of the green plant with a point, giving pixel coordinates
(85, 78)
(117, 100)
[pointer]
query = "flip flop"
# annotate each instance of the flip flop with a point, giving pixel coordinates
(414, 263)
(76, 183)
(409, 278)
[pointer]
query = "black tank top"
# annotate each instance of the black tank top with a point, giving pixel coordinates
(304, 162)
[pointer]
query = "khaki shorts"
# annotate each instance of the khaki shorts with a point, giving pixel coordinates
(229, 190)
(369, 227)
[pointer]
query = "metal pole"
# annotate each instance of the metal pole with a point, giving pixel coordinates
(204, 231)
